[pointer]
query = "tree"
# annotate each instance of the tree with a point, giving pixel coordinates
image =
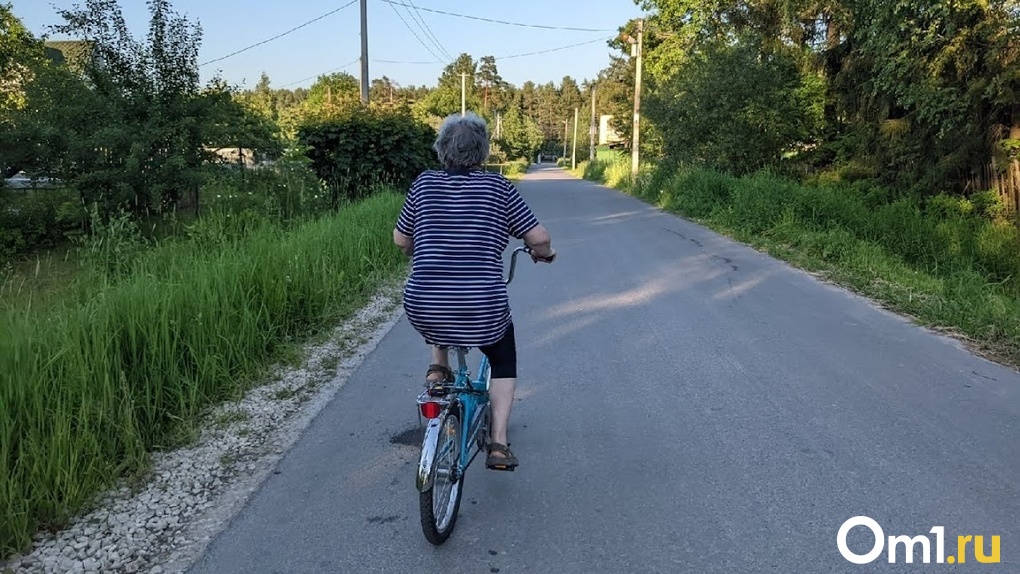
(521, 136)
(492, 83)
(382, 91)
(446, 98)
(21, 60)
(332, 95)
(615, 96)
(262, 100)
(733, 110)
(528, 99)
(930, 90)
(20, 54)
(140, 146)
(234, 121)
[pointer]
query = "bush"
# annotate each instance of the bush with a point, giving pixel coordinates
(367, 148)
(37, 219)
(729, 108)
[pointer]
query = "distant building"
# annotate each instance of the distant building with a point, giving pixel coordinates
(607, 135)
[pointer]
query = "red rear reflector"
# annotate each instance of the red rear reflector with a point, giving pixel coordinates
(430, 410)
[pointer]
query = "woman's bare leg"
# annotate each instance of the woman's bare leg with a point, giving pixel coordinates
(439, 357)
(501, 401)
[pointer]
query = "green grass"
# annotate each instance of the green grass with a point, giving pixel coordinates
(943, 263)
(37, 279)
(513, 170)
(91, 384)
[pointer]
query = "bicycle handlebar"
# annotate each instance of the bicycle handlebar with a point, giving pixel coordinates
(513, 260)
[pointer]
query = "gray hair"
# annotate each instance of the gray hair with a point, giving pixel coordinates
(463, 141)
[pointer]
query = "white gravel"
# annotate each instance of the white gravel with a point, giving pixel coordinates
(162, 526)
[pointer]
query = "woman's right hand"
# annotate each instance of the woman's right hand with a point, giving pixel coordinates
(546, 259)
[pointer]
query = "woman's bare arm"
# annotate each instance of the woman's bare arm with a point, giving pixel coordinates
(540, 242)
(405, 243)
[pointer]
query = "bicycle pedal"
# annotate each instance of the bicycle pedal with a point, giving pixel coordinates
(439, 390)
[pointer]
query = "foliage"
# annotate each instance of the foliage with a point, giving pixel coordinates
(37, 219)
(332, 96)
(928, 89)
(112, 246)
(445, 99)
(142, 114)
(922, 95)
(520, 137)
(20, 55)
(365, 148)
(128, 127)
(733, 109)
(233, 122)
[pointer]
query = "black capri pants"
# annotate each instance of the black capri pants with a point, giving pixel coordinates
(502, 355)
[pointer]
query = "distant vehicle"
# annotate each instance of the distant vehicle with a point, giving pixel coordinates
(21, 180)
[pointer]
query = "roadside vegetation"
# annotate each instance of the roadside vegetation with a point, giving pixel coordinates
(127, 360)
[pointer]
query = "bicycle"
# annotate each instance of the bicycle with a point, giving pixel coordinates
(457, 429)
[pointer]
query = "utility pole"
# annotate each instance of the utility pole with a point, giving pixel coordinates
(636, 144)
(364, 51)
(463, 94)
(591, 127)
(566, 136)
(573, 155)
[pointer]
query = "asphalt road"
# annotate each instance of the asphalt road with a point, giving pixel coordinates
(686, 404)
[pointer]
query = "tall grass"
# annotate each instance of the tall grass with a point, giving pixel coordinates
(953, 263)
(88, 387)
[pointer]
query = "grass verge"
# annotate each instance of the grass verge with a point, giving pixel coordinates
(950, 264)
(513, 170)
(89, 386)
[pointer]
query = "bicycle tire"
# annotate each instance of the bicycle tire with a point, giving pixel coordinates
(437, 529)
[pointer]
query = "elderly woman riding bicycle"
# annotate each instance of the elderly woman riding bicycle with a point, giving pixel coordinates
(456, 224)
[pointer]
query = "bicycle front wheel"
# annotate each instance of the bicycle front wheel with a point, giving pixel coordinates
(440, 503)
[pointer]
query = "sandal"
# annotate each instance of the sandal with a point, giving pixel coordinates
(444, 371)
(506, 462)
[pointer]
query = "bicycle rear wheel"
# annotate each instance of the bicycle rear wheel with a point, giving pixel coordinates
(440, 503)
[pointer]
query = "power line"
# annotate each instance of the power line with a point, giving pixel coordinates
(278, 36)
(437, 62)
(494, 21)
(416, 36)
(555, 49)
(404, 62)
(352, 62)
(428, 31)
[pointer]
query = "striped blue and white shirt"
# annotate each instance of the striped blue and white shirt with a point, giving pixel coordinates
(460, 223)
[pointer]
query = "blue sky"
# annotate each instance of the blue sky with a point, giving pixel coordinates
(335, 41)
